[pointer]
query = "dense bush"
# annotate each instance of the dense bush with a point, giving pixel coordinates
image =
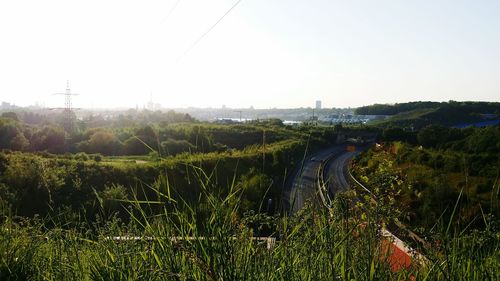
(424, 184)
(177, 244)
(40, 185)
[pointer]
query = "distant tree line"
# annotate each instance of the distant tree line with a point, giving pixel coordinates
(120, 137)
(470, 140)
(393, 109)
(416, 115)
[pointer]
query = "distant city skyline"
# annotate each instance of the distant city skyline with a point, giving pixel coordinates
(265, 54)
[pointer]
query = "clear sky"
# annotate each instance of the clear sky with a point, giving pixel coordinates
(264, 53)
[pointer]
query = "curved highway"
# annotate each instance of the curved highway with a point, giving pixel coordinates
(335, 171)
(329, 168)
(303, 184)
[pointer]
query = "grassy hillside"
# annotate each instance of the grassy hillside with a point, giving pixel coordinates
(178, 244)
(186, 199)
(420, 114)
(422, 186)
(31, 184)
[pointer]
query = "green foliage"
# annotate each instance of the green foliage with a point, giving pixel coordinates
(7, 196)
(101, 141)
(431, 135)
(416, 115)
(34, 183)
(388, 109)
(483, 140)
(48, 183)
(397, 134)
(174, 147)
(134, 146)
(255, 187)
(131, 135)
(9, 131)
(82, 156)
(178, 244)
(97, 158)
(479, 148)
(105, 136)
(11, 115)
(112, 199)
(50, 138)
(19, 142)
(425, 184)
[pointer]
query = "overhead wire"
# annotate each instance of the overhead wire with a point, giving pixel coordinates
(208, 30)
(171, 10)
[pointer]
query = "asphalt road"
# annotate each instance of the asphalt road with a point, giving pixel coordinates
(302, 185)
(335, 172)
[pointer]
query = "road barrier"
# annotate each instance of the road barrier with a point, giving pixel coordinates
(270, 242)
(322, 184)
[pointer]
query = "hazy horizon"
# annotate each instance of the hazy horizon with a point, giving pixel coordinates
(145, 106)
(265, 54)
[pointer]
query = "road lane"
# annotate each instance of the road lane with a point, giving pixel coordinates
(335, 172)
(302, 186)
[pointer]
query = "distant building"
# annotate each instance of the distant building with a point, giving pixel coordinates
(5, 105)
(152, 105)
(350, 118)
(318, 104)
(292, 123)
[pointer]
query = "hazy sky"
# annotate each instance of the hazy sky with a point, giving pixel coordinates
(265, 53)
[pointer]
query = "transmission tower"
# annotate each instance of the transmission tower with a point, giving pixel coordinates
(68, 109)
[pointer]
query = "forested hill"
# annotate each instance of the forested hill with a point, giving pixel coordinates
(393, 109)
(420, 114)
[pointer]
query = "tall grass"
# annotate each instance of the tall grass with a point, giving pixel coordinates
(169, 239)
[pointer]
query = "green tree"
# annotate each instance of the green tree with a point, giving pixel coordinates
(19, 142)
(50, 138)
(135, 146)
(397, 134)
(11, 115)
(101, 141)
(8, 131)
(173, 147)
(254, 185)
(432, 135)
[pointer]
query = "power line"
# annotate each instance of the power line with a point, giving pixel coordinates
(172, 10)
(208, 31)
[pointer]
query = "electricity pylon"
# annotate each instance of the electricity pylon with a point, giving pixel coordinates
(68, 108)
